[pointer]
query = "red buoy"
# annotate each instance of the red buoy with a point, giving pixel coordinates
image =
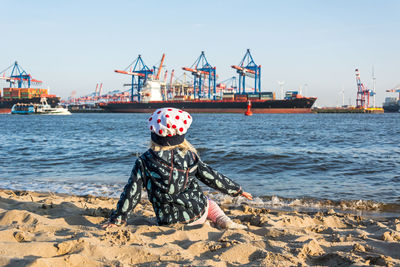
(248, 111)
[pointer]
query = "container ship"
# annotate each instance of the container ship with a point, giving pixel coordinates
(21, 90)
(204, 95)
(263, 102)
(392, 104)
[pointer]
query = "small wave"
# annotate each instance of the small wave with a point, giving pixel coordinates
(359, 207)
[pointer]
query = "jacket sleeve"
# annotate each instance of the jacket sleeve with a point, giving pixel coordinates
(130, 197)
(216, 180)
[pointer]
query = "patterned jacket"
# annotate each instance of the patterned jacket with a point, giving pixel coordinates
(170, 178)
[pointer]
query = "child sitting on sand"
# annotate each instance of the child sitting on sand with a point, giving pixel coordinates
(169, 171)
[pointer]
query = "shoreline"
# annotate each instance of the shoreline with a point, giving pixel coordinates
(48, 229)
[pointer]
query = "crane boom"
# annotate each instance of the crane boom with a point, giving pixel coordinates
(130, 73)
(195, 71)
(172, 76)
(160, 67)
(243, 69)
(165, 76)
(18, 79)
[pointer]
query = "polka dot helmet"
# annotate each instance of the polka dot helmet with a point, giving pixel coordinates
(168, 122)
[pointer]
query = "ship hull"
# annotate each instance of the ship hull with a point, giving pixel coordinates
(6, 105)
(297, 105)
(391, 109)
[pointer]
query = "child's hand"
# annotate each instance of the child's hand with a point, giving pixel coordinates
(247, 195)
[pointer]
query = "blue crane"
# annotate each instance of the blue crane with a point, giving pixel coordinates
(202, 70)
(19, 76)
(140, 73)
(247, 67)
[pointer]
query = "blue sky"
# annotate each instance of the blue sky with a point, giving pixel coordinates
(72, 45)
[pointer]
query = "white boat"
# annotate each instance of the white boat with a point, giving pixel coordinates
(45, 109)
(41, 109)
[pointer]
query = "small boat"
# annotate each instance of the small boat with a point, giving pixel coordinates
(22, 108)
(41, 109)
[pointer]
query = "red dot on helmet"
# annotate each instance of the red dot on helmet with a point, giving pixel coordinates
(158, 121)
(160, 131)
(181, 129)
(159, 112)
(150, 118)
(185, 122)
(177, 117)
(167, 116)
(174, 126)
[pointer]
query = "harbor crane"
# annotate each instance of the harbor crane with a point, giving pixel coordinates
(248, 68)
(18, 76)
(160, 67)
(202, 70)
(363, 93)
(140, 73)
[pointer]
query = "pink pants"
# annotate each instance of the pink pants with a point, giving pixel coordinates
(213, 213)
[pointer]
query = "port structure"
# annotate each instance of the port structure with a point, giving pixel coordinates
(395, 90)
(228, 85)
(202, 70)
(18, 76)
(363, 93)
(248, 68)
(140, 73)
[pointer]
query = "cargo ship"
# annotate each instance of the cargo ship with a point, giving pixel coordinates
(12, 96)
(263, 102)
(391, 105)
(21, 90)
(204, 95)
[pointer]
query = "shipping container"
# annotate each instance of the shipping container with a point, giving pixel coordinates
(253, 96)
(240, 97)
(267, 96)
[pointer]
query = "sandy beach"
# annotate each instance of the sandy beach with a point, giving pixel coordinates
(46, 229)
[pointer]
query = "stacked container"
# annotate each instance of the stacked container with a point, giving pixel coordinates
(241, 97)
(15, 93)
(7, 93)
(24, 93)
(253, 96)
(228, 96)
(267, 96)
(291, 94)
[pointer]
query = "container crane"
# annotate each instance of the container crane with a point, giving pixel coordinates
(170, 83)
(202, 70)
(19, 76)
(362, 93)
(140, 73)
(248, 68)
(160, 67)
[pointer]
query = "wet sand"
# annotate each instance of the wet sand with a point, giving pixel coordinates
(46, 229)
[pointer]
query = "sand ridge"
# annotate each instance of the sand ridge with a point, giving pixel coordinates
(46, 229)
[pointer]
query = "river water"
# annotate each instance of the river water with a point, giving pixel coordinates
(304, 159)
